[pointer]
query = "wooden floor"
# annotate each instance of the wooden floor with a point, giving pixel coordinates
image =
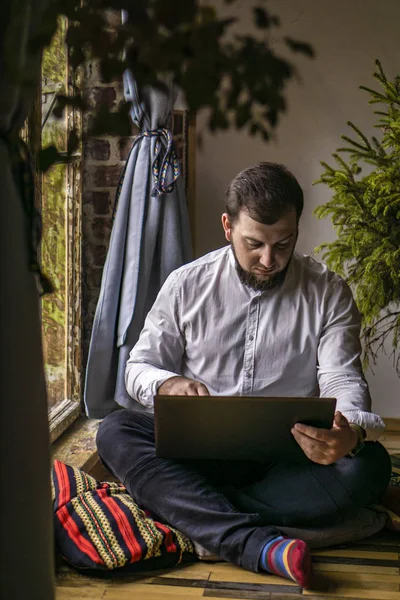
(367, 569)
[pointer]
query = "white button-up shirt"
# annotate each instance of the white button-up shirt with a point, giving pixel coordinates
(300, 339)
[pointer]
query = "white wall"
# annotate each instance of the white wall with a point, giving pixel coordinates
(347, 36)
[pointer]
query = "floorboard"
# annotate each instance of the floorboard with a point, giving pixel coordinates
(368, 569)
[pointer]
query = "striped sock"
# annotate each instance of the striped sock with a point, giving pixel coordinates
(287, 558)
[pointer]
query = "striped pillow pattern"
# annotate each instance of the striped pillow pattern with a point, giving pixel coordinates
(99, 527)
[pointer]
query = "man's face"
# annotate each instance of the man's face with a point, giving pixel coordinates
(262, 252)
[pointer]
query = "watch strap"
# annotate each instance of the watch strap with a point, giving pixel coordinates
(361, 435)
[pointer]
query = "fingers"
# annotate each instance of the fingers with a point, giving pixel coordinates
(340, 420)
(329, 436)
(316, 433)
(183, 386)
(317, 451)
(309, 444)
(194, 388)
(202, 390)
(339, 442)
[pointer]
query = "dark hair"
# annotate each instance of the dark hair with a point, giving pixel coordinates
(267, 192)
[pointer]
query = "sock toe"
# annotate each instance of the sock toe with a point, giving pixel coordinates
(289, 558)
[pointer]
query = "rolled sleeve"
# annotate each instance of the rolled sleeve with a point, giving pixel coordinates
(157, 356)
(340, 373)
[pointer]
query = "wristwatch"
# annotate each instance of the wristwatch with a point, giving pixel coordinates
(361, 435)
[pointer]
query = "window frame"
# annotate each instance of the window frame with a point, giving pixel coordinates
(66, 411)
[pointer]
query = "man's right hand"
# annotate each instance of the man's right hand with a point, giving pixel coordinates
(182, 386)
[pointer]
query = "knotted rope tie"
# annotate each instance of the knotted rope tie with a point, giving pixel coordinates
(160, 184)
(161, 164)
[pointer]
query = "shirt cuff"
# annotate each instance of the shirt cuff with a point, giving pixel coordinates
(372, 424)
(146, 384)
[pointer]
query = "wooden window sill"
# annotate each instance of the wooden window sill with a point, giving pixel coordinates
(61, 417)
(77, 446)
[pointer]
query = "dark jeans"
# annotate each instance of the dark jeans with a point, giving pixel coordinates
(234, 508)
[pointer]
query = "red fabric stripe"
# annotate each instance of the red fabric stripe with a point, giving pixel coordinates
(99, 529)
(123, 525)
(74, 534)
(300, 561)
(63, 483)
(272, 564)
(169, 542)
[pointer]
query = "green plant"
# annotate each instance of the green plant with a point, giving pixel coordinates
(238, 77)
(365, 211)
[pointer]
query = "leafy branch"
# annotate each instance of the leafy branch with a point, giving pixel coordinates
(238, 78)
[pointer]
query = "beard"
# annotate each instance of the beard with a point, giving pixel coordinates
(260, 285)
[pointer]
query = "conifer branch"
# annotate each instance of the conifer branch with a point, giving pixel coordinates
(365, 211)
(358, 132)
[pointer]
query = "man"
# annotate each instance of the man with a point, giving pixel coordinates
(253, 318)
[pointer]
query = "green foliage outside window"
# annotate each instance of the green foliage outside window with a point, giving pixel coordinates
(53, 209)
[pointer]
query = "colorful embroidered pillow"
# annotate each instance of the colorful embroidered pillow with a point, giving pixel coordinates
(99, 527)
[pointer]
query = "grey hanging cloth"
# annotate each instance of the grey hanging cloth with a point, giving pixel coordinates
(150, 238)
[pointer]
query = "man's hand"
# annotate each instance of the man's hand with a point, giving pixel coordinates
(182, 386)
(326, 446)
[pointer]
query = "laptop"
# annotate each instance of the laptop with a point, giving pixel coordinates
(236, 427)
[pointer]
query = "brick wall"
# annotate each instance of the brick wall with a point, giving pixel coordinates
(103, 161)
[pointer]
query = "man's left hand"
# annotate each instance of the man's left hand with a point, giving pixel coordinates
(326, 446)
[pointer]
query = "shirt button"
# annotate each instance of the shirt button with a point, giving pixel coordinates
(248, 374)
(251, 337)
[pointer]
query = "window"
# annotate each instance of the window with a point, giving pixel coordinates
(59, 199)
